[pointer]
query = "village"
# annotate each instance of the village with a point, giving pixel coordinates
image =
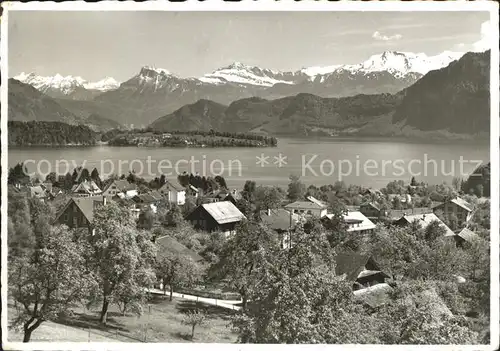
(191, 219)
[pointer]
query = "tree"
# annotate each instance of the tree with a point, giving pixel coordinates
(51, 177)
(479, 190)
(241, 257)
(175, 270)
(268, 197)
(413, 181)
(68, 181)
(296, 189)
(418, 315)
(96, 178)
(173, 217)
(299, 299)
(120, 255)
(17, 174)
(194, 318)
(49, 280)
(248, 190)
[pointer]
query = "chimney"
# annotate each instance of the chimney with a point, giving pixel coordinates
(104, 200)
(268, 211)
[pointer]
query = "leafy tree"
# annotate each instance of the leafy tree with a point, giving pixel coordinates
(221, 181)
(18, 174)
(96, 178)
(479, 190)
(47, 281)
(120, 255)
(146, 219)
(299, 299)
(193, 319)
(241, 257)
(419, 316)
(173, 217)
(296, 189)
(248, 192)
(68, 181)
(268, 197)
(413, 181)
(176, 270)
(51, 177)
(20, 232)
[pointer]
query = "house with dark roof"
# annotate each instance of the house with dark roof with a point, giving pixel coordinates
(121, 188)
(86, 188)
(168, 245)
(397, 214)
(307, 208)
(361, 270)
(464, 236)
(221, 216)
(424, 220)
(79, 211)
(281, 221)
(371, 210)
(458, 207)
(174, 192)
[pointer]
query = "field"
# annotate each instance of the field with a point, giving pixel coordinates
(161, 322)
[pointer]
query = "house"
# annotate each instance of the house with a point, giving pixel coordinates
(424, 220)
(217, 216)
(168, 245)
(281, 221)
(308, 208)
(374, 296)
(356, 222)
(371, 210)
(397, 214)
(465, 235)
(86, 188)
(374, 193)
(222, 195)
(147, 201)
(193, 191)
(457, 206)
(37, 191)
(121, 188)
(362, 270)
(79, 211)
(174, 192)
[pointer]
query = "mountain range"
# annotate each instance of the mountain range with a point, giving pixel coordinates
(153, 92)
(29, 104)
(392, 93)
(454, 99)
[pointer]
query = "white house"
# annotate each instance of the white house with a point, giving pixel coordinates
(86, 188)
(356, 222)
(121, 188)
(311, 208)
(174, 191)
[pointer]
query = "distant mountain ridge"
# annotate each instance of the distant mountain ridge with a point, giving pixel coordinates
(68, 87)
(454, 99)
(29, 104)
(153, 92)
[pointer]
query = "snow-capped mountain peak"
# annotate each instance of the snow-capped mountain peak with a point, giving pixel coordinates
(398, 63)
(105, 84)
(241, 73)
(65, 84)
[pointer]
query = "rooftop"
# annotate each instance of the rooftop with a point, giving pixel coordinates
(468, 235)
(462, 203)
(357, 221)
(305, 205)
(167, 244)
(425, 220)
(279, 219)
(224, 212)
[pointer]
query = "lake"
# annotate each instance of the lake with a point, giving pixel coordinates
(367, 162)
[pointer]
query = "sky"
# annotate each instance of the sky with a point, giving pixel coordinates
(95, 45)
